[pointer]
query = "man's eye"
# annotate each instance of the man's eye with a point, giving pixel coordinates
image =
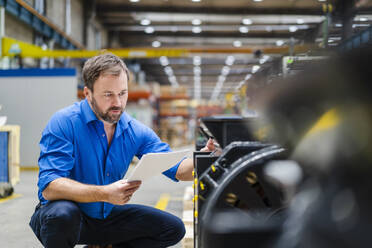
(122, 93)
(107, 94)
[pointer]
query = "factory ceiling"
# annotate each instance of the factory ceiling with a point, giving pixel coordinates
(230, 28)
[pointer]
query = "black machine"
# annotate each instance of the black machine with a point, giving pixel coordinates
(320, 120)
(233, 184)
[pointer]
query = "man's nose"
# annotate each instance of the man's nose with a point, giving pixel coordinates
(116, 100)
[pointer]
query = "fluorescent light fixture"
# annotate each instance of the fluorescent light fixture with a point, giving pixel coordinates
(363, 19)
(279, 43)
(156, 43)
(293, 29)
(257, 1)
(168, 70)
(225, 70)
(164, 61)
(237, 43)
(195, 1)
(264, 59)
(196, 30)
(196, 60)
(197, 70)
(197, 78)
(149, 30)
(300, 21)
(134, 1)
(247, 21)
(248, 77)
(255, 68)
(221, 78)
(269, 29)
(196, 22)
(322, 0)
(338, 25)
(230, 60)
(243, 29)
(145, 22)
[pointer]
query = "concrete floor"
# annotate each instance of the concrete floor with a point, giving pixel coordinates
(15, 213)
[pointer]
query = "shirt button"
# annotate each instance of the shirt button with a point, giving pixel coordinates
(108, 174)
(103, 135)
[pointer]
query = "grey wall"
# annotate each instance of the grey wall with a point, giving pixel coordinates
(30, 102)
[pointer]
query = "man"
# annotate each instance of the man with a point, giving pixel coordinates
(86, 149)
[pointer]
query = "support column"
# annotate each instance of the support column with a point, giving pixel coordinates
(2, 28)
(347, 11)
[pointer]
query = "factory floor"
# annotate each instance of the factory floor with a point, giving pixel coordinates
(16, 210)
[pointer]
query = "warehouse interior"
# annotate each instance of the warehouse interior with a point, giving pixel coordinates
(282, 87)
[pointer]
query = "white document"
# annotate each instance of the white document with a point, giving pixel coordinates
(153, 164)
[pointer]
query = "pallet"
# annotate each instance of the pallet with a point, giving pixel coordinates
(13, 152)
(187, 218)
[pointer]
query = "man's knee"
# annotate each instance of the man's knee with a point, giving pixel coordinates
(179, 230)
(62, 214)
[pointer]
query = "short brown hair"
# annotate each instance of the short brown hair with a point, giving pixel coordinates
(107, 63)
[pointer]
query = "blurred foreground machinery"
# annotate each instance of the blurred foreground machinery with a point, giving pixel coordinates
(306, 182)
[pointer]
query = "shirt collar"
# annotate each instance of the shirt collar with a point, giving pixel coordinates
(90, 116)
(88, 113)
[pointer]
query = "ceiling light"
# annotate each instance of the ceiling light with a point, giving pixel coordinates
(237, 43)
(363, 19)
(145, 22)
(134, 1)
(195, 1)
(230, 60)
(164, 61)
(293, 29)
(221, 78)
(279, 43)
(197, 70)
(264, 59)
(225, 70)
(322, 0)
(257, 0)
(196, 22)
(174, 29)
(197, 60)
(269, 29)
(330, 41)
(149, 30)
(338, 25)
(247, 21)
(255, 68)
(300, 21)
(156, 43)
(168, 70)
(248, 77)
(243, 29)
(196, 30)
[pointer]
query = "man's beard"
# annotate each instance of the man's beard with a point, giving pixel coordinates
(106, 116)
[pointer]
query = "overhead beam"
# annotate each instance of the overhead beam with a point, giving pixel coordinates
(141, 35)
(123, 8)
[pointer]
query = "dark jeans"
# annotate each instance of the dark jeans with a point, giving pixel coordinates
(61, 224)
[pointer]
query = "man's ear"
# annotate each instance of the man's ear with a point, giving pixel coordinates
(87, 93)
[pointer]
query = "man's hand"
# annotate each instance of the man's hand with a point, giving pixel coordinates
(121, 191)
(213, 147)
(209, 147)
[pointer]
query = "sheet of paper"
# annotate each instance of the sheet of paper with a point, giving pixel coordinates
(153, 164)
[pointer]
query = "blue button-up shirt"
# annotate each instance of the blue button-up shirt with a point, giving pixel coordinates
(74, 145)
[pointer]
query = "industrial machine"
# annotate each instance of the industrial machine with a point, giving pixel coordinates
(306, 182)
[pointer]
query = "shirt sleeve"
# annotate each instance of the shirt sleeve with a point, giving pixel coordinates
(150, 142)
(56, 152)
